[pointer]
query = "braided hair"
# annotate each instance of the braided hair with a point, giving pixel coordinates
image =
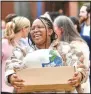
(49, 24)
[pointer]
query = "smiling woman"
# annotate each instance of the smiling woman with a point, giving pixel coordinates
(42, 32)
(43, 37)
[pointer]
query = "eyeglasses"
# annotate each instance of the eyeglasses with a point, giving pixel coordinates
(37, 27)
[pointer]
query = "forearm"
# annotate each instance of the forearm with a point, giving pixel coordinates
(7, 74)
(11, 66)
(85, 74)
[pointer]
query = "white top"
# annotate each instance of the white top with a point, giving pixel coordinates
(86, 31)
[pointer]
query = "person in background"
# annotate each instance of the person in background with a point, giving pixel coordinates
(53, 15)
(3, 26)
(66, 31)
(4, 22)
(16, 29)
(9, 17)
(85, 23)
(61, 11)
(7, 48)
(76, 23)
(43, 37)
(6, 52)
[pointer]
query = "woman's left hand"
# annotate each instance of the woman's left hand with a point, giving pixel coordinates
(76, 80)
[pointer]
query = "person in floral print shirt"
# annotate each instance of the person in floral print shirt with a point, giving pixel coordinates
(43, 37)
(65, 30)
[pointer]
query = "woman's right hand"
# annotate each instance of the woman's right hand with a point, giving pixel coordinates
(16, 82)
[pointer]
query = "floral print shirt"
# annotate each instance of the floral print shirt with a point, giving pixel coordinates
(71, 54)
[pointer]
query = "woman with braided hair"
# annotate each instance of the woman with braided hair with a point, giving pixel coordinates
(43, 37)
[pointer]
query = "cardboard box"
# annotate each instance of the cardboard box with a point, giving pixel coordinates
(46, 79)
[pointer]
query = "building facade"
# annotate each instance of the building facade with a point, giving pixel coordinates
(34, 9)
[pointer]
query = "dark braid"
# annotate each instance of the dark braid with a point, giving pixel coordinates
(32, 43)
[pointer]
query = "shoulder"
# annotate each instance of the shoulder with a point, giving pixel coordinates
(63, 47)
(21, 51)
(81, 47)
(60, 44)
(79, 44)
(4, 41)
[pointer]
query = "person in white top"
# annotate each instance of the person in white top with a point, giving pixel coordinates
(85, 28)
(85, 23)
